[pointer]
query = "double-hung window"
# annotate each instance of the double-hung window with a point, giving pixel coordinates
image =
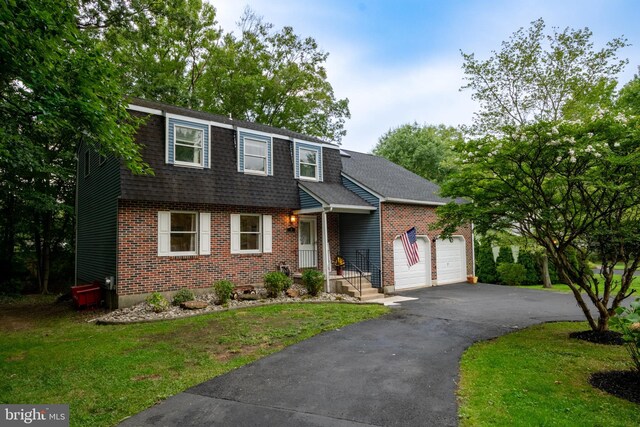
(255, 156)
(188, 145)
(251, 233)
(184, 233)
(308, 163)
(187, 142)
(255, 152)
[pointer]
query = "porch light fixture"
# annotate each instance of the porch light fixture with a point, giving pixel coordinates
(292, 222)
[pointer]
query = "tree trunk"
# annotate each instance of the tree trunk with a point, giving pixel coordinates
(546, 279)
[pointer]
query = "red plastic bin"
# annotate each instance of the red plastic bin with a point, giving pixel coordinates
(86, 295)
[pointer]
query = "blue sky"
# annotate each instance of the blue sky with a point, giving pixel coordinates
(399, 61)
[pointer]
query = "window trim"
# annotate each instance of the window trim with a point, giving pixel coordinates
(300, 163)
(266, 234)
(246, 139)
(196, 232)
(259, 233)
(175, 144)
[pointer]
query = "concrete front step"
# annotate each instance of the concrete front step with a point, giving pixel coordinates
(366, 292)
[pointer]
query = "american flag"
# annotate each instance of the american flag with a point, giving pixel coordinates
(410, 246)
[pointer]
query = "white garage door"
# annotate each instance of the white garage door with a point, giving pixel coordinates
(418, 274)
(451, 260)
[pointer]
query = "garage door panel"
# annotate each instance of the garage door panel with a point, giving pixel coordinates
(418, 274)
(451, 260)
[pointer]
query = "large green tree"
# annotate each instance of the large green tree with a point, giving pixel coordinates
(422, 149)
(554, 154)
(174, 52)
(56, 88)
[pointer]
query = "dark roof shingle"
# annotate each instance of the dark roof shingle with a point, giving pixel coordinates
(333, 194)
(390, 180)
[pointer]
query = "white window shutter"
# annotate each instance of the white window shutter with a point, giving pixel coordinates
(235, 233)
(164, 233)
(205, 233)
(267, 238)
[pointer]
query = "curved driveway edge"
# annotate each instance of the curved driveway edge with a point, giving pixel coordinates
(398, 370)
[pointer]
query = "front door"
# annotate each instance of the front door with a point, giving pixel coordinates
(307, 247)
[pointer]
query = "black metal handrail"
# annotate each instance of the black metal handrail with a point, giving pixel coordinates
(364, 263)
(352, 274)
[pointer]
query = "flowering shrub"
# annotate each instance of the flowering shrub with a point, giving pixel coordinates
(628, 321)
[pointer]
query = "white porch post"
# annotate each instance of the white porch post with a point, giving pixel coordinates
(325, 251)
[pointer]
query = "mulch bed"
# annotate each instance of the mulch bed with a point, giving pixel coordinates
(622, 384)
(606, 337)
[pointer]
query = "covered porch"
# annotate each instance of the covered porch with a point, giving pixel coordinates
(324, 209)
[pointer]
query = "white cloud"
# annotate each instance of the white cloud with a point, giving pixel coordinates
(386, 97)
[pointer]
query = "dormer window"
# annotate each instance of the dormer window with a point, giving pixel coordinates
(308, 164)
(255, 156)
(187, 142)
(308, 161)
(255, 152)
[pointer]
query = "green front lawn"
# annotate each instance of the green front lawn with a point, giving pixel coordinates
(50, 354)
(539, 377)
(635, 284)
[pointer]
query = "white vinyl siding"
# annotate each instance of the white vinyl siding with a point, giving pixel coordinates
(184, 233)
(251, 233)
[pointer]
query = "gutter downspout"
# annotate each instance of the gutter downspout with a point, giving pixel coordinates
(473, 251)
(325, 250)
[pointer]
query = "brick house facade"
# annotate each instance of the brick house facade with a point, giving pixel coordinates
(228, 199)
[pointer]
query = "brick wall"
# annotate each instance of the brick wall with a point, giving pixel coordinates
(398, 218)
(141, 270)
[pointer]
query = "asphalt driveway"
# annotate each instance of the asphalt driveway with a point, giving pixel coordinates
(397, 370)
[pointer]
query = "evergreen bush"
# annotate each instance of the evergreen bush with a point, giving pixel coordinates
(223, 290)
(505, 256)
(276, 282)
(485, 264)
(510, 273)
(312, 280)
(183, 295)
(532, 275)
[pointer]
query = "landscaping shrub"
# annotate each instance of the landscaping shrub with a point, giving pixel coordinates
(276, 282)
(510, 273)
(158, 302)
(627, 319)
(312, 280)
(485, 265)
(505, 256)
(183, 295)
(532, 274)
(223, 290)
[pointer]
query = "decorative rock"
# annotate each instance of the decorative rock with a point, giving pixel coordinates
(142, 312)
(194, 305)
(293, 293)
(249, 297)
